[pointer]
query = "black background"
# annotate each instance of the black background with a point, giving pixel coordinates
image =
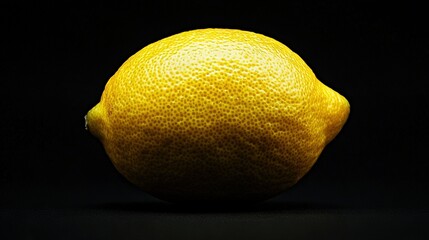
(57, 182)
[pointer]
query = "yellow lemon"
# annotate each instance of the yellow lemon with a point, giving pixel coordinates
(216, 115)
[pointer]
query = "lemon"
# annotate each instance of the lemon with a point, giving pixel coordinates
(216, 115)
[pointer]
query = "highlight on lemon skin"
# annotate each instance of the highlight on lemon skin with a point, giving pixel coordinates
(216, 115)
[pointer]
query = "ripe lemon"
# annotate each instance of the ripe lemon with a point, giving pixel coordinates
(216, 115)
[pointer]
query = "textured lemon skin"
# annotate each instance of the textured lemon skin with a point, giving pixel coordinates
(216, 115)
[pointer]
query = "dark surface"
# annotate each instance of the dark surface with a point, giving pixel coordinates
(156, 220)
(56, 182)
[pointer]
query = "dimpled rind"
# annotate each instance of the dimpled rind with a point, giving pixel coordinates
(216, 115)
